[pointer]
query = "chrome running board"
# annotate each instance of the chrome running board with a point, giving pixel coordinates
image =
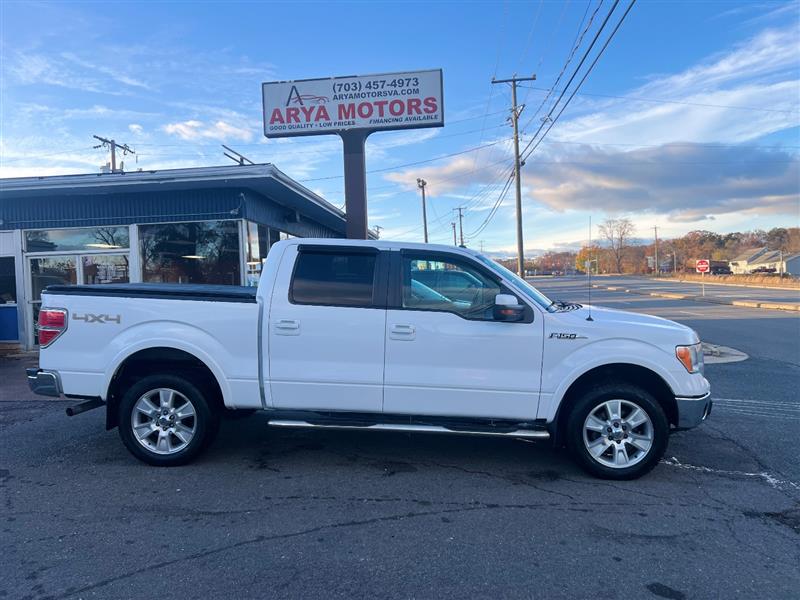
(409, 428)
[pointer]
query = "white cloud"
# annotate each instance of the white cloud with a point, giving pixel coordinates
(686, 182)
(456, 174)
(193, 130)
(30, 69)
(760, 73)
(135, 129)
(120, 76)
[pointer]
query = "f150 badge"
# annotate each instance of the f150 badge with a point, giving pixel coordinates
(90, 318)
(567, 336)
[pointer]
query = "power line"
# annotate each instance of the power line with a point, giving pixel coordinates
(18, 158)
(585, 75)
(419, 162)
(574, 73)
(524, 54)
(494, 208)
(576, 44)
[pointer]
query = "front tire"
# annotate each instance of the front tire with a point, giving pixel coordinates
(617, 431)
(165, 420)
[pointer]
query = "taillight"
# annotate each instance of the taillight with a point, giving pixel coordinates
(52, 323)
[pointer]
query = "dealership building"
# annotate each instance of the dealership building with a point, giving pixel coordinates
(203, 225)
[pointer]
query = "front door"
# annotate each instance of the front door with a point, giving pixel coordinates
(326, 329)
(446, 355)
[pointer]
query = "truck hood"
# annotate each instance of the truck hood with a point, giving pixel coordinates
(613, 323)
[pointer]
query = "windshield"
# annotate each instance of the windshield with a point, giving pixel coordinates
(526, 288)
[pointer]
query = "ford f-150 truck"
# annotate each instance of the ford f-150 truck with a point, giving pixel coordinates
(372, 335)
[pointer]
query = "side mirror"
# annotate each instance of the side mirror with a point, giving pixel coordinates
(508, 308)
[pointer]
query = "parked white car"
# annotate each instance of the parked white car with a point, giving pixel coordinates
(373, 335)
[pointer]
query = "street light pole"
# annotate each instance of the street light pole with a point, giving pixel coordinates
(421, 183)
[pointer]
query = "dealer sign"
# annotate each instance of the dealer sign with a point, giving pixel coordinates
(337, 104)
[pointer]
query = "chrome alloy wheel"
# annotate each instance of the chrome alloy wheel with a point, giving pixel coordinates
(164, 421)
(618, 433)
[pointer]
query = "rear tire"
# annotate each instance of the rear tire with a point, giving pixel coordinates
(617, 431)
(165, 420)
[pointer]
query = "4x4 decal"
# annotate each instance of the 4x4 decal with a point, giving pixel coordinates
(90, 318)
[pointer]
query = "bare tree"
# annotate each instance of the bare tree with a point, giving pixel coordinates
(618, 233)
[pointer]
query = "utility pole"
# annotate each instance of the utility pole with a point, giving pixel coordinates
(655, 230)
(455, 242)
(481, 242)
(515, 112)
(377, 229)
(421, 183)
(113, 145)
(460, 210)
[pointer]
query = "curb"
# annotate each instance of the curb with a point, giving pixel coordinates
(742, 303)
(754, 286)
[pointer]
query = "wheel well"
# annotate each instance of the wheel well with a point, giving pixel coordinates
(160, 360)
(621, 373)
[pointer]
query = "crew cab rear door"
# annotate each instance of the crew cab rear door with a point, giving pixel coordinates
(327, 328)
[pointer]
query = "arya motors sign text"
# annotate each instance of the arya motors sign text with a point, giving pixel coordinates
(374, 102)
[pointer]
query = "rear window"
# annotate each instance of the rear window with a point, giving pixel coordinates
(335, 279)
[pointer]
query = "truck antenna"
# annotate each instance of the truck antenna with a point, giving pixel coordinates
(589, 271)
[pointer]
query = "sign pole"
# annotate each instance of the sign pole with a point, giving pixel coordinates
(355, 182)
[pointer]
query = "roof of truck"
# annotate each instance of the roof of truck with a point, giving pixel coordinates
(386, 244)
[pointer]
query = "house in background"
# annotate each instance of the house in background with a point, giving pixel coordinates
(742, 264)
(776, 261)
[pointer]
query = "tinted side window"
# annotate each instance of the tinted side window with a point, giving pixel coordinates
(456, 287)
(338, 279)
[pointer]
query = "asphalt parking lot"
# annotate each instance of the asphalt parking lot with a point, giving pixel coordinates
(308, 514)
(726, 292)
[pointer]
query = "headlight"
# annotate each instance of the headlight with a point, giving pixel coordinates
(691, 357)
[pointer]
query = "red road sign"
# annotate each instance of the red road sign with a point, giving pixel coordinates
(702, 266)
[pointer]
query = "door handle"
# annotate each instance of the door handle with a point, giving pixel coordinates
(402, 332)
(287, 327)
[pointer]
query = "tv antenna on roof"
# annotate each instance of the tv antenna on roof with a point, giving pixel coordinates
(239, 158)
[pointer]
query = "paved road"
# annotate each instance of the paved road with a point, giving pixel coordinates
(729, 292)
(298, 514)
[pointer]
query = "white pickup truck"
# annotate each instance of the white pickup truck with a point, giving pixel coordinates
(374, 335)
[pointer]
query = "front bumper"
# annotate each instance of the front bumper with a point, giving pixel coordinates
(44, 383)
(693, 410)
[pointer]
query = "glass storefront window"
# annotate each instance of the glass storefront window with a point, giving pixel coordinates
(276, 235)
(201, 252)
(86, 239)
(8, 281)
(257, 248)
(105, 268)
(52, 270)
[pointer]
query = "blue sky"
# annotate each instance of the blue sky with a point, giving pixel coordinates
(706, 136)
